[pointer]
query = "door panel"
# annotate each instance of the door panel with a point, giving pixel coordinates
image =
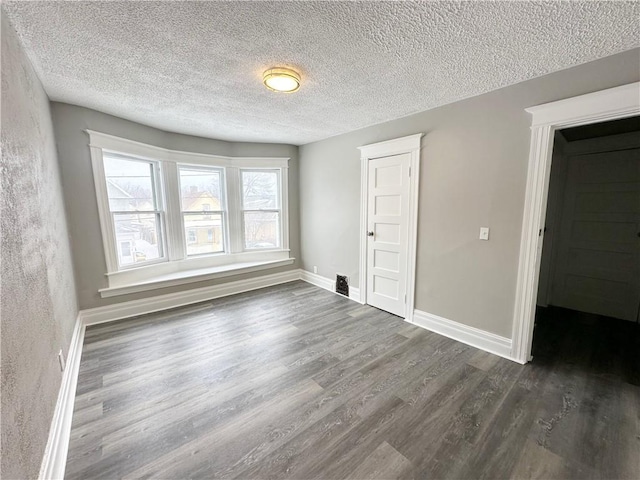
(387, 218)
(598, 268)
(386, 233)
(388, 205)
(386, 260)
(385, 286)
(388, 176)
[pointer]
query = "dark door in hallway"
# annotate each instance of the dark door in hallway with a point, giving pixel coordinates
(598, 261)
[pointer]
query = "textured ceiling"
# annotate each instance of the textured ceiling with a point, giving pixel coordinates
(195, 67)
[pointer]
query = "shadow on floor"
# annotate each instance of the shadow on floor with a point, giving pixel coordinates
(592, 344)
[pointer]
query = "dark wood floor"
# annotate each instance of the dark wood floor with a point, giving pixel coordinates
(296, 382)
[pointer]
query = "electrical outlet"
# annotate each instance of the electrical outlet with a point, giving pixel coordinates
(315, 269)
(61, 360)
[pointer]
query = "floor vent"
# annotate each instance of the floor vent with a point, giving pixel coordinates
(342, 285)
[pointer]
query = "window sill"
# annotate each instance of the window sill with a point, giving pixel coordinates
(192, 276)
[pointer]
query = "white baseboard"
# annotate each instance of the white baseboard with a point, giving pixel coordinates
(318, 280)
(54, 460)
(475, 337)
(157, 303)
(55, 456)
(327, 284)
(354, 294)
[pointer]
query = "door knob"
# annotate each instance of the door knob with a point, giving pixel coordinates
(370, 234)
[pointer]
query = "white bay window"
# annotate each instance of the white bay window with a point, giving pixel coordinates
(171, 217)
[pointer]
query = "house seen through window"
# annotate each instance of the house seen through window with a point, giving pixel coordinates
(202, 201)
(176, 211)
(135, 209)
(261, 208)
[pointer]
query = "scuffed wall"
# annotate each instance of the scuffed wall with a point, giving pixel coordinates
(38, 305)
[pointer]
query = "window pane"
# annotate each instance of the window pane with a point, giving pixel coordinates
(200, 190)
(137, 237)
(203, 233)
(261, 229)
(129, 184)
(260, 190)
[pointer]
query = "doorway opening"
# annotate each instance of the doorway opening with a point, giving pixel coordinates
(588, 296)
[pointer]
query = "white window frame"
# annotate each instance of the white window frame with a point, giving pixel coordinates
(224, 212)
(278, 209)
(177, 268)
(160, 211)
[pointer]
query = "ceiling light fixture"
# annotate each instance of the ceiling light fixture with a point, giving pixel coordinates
(281, 80)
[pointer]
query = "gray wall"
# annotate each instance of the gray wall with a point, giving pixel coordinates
(474, 164)
(82, 210)
(38, 301)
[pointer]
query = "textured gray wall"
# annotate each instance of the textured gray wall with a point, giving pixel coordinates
(38, 302)
(82, 210)
(473, 173)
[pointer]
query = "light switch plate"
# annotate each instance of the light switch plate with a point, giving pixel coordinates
(484, 233)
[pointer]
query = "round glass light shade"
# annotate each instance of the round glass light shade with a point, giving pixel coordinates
(281, 80)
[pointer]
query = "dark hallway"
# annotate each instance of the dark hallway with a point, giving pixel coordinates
(590, 345)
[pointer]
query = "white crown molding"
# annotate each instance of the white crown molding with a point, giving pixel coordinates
(594, 107)
(487, 341)
(54, 460)
(328, 284)
(391, 147)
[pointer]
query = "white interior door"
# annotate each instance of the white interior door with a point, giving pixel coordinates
(388, 227)
(598, 269)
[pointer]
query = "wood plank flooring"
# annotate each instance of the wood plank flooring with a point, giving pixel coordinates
(296, 382)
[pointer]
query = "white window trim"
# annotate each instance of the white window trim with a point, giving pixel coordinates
(279, 209)
(160, 211)
(178, 268)
(224, 212)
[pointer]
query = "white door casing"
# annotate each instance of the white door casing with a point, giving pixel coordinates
(387, 232)
(552, 221)
(389, 192)
(610, 104)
